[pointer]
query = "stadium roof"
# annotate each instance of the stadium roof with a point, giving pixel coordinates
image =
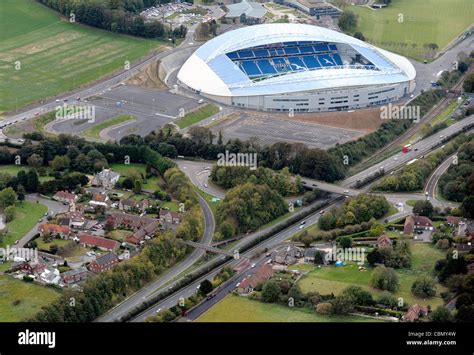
(250, 9)
(211, 71)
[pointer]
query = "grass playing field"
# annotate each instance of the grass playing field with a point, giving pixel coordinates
(239, 309)
(42, 55)
(427, 21)
(20, 300)
(331, 279)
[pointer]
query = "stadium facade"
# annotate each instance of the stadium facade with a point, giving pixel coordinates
(296, 67)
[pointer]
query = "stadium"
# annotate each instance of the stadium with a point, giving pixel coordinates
(296, 67)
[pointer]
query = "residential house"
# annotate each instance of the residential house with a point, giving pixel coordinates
(146, 232)
(310, 254)
(127, 204)
(50, 276)
(54, 230)
(466, 229)
(106, 179)
(169, 217)
(92, 241)
(76, 219)
(416, 223)
(99, 199)
(74, 276)
(453, 221)
(104, 263)
(414, 313)
(384, 241)
(29, 267)
(65, 196)
(289, 255)
(262, 274)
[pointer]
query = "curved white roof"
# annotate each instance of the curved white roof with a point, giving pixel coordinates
(211, 71)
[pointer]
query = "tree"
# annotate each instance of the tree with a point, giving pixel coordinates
(468, 84)
(359, 35)
(467, 207)
(270, 292)
(359, 296)
(423, 287)
(20, 190)
(345, 241)
(385, 278)
(32, 181)
(376, 230)
(7, 197)
(347, 21)
(423, 208)
(60, 162)
(10, 212)
(441, 315)
(206, 287)
(137, 186)
(35, 161)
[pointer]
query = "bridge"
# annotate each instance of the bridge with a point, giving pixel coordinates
(209, 248)
(326, 186)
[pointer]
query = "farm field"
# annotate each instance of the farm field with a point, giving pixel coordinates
(31, 298)
(27, 215)
(331, 279)
(239, 309)
(42, 55)
(424, 22)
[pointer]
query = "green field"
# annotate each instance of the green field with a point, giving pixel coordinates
(42, 55)
(31, 298)
(197, 116)
(94, 132)
(239, 309)
(27, 215)
(428, 21)
(13, 170)
(125, 169)
(331, 279)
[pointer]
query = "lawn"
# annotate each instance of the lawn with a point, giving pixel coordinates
(428, 21)
(125, 169)
(42, 245)
(31, 296)
(331, 279)
(198, 115)
(239, 309)
(27, 215)
(94, 132)
(42, 55)
(13, 170)
(119, 235)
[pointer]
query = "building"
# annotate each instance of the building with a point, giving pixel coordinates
(104, 263)
(417, 223)
(312, 7)
(99, 199)
(50, 276)
(169, 217)
(144, 233)
(310, 255)
(54, 230)
(384, 241)
(65, 197)
(74, 276)
(29, 267)
(296, 68)
(289, 255)
(106, 179)
(414, 313)
(262, 274)
(127, 204)
(75, 219)
(247, 12)
(92, 241)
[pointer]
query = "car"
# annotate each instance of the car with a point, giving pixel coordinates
(16, 242)
(442, 147)
(346, 191)
(37, 113)
(207, 168)
(21, 141)
(253, 265)
(40, 220)
(212, 295)
(268, 254)
(268, 261)
(57, 100)
(321, 212)
(416, 149)
(303, 222)
(198, 287)
(78, 98)
(65, 203)
(426, 193)
(441, 136)
(422, 157)
(201, 101)
(238, 284)
(391, 173)
(158, 310)
(396, 158)
(205, 185)
(314, 185)
(45, 214)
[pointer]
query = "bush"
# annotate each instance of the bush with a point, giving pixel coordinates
(385, 278)
(423, 287)
(324, 308)
(270, 292)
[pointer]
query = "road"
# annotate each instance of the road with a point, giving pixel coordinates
(432, 183)
(150, 289)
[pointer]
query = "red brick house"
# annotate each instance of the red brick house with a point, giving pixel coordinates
(92, 241)
(74, 276)
(414, 313)
(54, 229)
(261, 275)
(104, 263)
(413, 223)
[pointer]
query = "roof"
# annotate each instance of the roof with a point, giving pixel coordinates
(453, 219)
(210, 71)
(409, 225)
(100, 242)
(65, 195)
(249, 8)
(53, 228)
(384, 239)
(74, 272)
(262, 274)
(105, 259)
(164, 213)
(107, 174)
(99, 197)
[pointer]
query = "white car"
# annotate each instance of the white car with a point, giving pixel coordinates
(253, 265)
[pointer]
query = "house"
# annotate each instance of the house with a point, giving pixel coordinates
(310, 254)
(125, 220)
(74, 276)
(65, 197)
(64, 221)
(92, 241)
(289, 255)
(466, 229)
(384, 241)
(106, 179)
(453, 221)
(247, 12)
(99, 199)
(169, 217)
(416, 223)
(50, 276)
(146, 232)
(414, 313)
(29, 267)
(127, 204)
(54, 229)
(312, 7)
(104, 263)
(262, 274)
(76, 219)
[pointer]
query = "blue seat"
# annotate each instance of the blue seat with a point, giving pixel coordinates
(326, 60)
(232, 55)
(296, 63)
(250, 68)
(337, 59)
(319, 48)
(333, 47)
(266, 67)
(280, 65)
(292, 50)
(261, 53)
(311, 62)
(307, 49)
(245, 54)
